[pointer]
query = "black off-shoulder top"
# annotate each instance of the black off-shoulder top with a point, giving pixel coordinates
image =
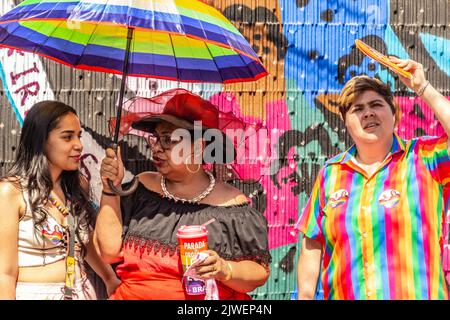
(151, 220)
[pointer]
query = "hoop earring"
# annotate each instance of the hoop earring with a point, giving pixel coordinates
(187, 166)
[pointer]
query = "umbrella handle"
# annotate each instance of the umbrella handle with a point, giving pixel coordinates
(118, 190)
(134, 183)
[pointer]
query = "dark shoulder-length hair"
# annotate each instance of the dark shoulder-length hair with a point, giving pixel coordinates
(31, 170)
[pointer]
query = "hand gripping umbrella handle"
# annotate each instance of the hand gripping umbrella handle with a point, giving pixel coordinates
(118, 190)
(135, 181)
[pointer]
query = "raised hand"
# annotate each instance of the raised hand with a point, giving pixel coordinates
(112, 168)
(418, 81)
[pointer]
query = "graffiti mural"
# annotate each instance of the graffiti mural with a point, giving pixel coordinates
(308, 48)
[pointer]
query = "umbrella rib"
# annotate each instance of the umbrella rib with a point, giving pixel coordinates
(85, 47)
(9, 34)
(231, 48)
(214, 60)
(207, 47)
(174, 57)
(38, 49)
(89, 40)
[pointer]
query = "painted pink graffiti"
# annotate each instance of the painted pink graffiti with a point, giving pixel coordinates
(83, 166)
(417, 119)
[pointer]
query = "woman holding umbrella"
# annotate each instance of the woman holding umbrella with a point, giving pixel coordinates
(139, 231)
(167, 40)
(38, 225)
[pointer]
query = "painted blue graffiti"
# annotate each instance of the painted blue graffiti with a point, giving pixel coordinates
(311, 26)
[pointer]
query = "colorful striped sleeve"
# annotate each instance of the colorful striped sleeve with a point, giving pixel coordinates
(435, 155)
(310, 219)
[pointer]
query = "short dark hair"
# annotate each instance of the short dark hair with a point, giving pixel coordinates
(359, 84)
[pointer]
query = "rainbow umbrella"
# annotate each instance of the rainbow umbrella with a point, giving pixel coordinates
(183, 40)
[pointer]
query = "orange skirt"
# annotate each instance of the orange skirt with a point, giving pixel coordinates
(150, 285)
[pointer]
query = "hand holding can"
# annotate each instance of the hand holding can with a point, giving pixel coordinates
(192, 240)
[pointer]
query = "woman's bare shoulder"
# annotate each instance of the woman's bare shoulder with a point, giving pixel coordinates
(151, 180)
(225, 194)
(11, 195)
(10, 187)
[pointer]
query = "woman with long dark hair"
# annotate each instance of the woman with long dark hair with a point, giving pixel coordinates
(45, 204)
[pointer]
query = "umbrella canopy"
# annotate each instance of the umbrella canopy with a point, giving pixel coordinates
(183, 40)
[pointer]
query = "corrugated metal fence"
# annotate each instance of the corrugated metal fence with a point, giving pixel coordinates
(307, 46)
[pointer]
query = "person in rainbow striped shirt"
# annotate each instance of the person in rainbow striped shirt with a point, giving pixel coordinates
(375, 215)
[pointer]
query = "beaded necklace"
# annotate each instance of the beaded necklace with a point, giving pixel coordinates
(197, 199)
(58, 204)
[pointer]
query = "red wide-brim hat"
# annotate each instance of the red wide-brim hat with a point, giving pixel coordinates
(181, 108)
